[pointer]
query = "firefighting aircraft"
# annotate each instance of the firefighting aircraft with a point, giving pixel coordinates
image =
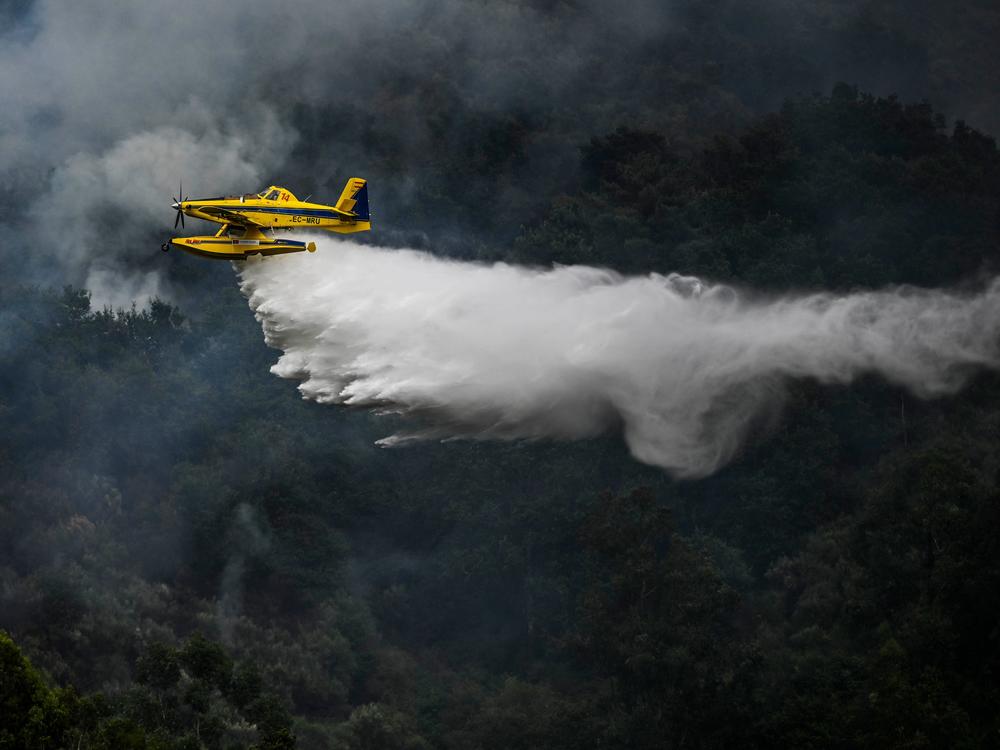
(248, 221)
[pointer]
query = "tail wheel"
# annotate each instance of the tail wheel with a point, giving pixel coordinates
(165, 246)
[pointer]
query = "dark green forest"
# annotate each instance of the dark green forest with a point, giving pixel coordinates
(192, 556)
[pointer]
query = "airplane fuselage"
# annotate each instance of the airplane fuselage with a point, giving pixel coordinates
(274, 214)
(249, 221)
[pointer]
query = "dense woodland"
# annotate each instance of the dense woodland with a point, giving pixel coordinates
(193, 557)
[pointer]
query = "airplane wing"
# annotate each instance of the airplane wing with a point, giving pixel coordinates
(232, 217)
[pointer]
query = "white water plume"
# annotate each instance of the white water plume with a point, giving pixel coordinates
(685, 367)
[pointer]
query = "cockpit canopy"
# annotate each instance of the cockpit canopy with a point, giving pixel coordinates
(274, 193)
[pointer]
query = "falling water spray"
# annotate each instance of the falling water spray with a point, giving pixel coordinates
(685, 368)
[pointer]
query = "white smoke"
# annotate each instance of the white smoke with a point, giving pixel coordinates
(136, 179)
(686, 367)
(107, 106)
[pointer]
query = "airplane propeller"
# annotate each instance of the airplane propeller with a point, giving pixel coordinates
(177, 205)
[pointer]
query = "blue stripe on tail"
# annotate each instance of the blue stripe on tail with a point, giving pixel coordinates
(361, 207)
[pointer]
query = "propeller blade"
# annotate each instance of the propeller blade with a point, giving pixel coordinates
(177, 204)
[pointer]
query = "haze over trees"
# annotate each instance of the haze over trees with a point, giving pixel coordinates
(192, 556)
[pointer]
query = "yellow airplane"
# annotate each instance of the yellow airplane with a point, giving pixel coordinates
(248, 221)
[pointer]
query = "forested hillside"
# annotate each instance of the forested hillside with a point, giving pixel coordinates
(192, 556)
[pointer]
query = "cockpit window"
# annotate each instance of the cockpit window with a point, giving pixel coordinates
(273, 195)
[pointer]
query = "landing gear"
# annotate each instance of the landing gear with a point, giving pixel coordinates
(165, 246)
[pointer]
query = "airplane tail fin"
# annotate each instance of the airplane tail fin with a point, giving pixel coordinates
(355, 198)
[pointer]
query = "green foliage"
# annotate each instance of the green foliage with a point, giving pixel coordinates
(246, 685)
(521, 714)
(660, 622)
(207, 662)
(376, 727)
(179, 711)
(835, 586)
(159, 667)
(31, 713)
(841, 191)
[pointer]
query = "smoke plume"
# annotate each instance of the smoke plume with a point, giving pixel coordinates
(108, 106)
(686, 368)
